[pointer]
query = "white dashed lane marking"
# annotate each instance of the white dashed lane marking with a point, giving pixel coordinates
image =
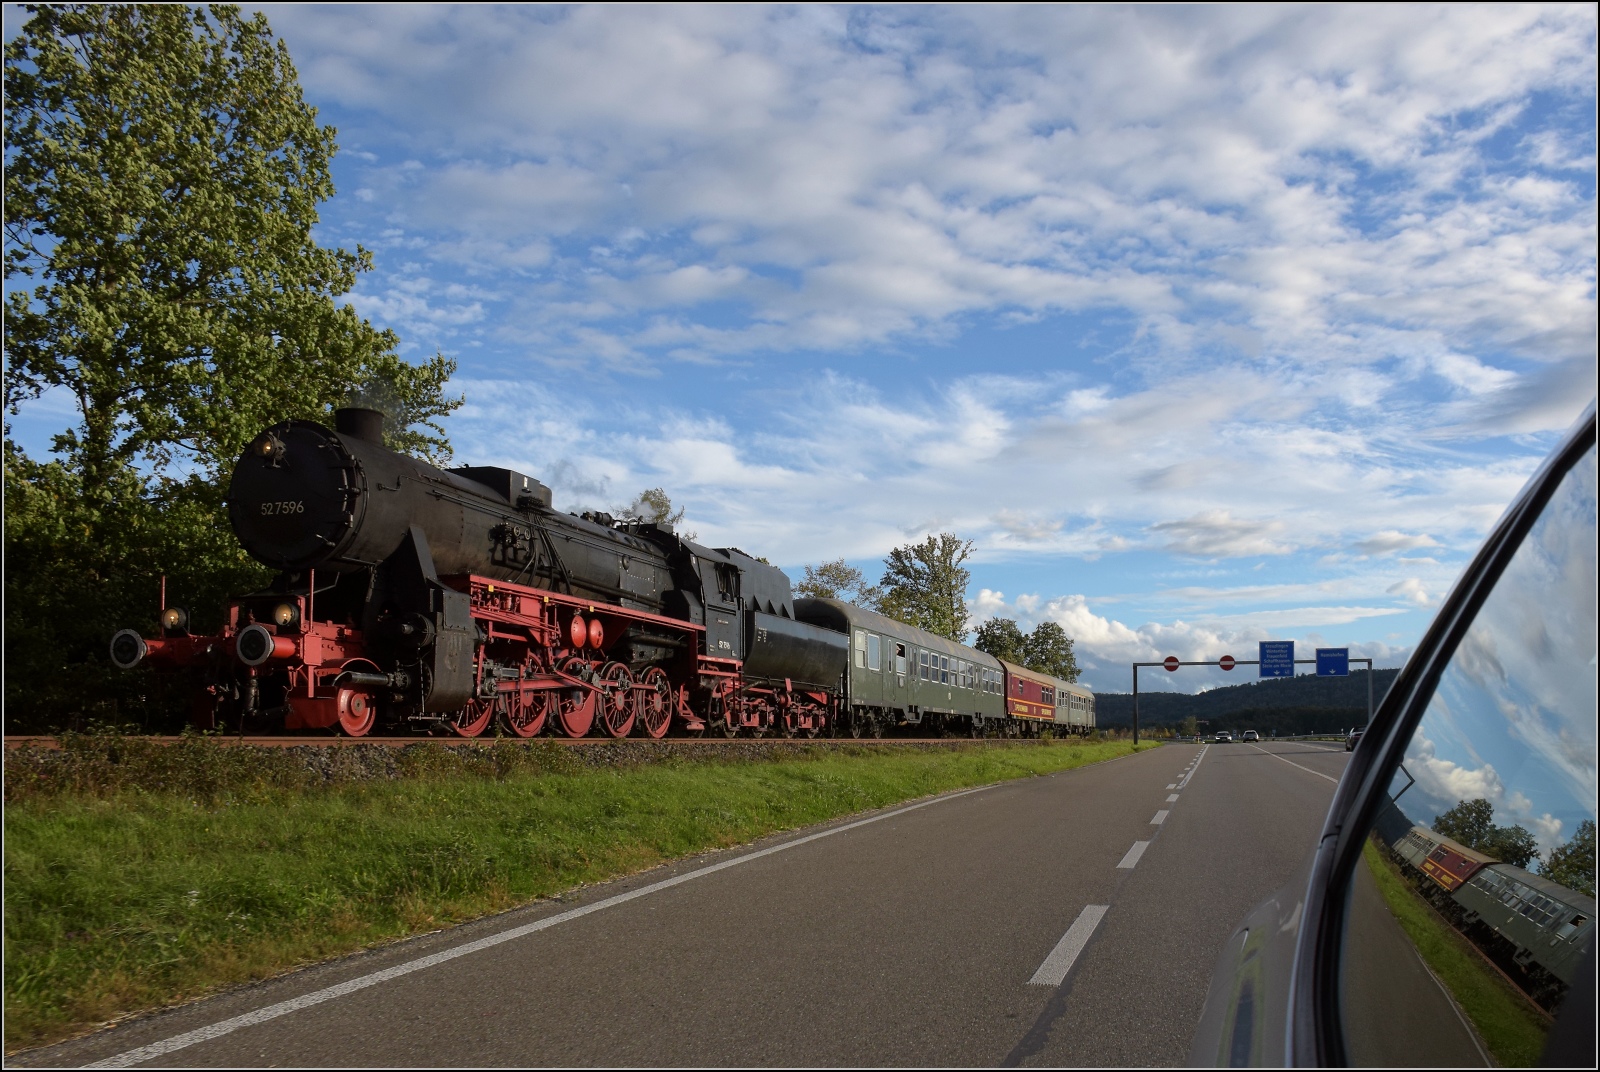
(1161, 817)
(1134, 853)
(1171, 797)
(1059, 962)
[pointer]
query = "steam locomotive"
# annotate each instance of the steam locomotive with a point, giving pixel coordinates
(433, 600)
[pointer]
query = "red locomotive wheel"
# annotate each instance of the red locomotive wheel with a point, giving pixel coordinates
(655, 704)
(525, 711)
(357, 712)
(474, 718)
(575, 709)
(616, 699)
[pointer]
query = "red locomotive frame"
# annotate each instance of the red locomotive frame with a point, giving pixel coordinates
(541, 663)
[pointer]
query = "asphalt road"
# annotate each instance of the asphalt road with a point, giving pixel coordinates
(1065, 920)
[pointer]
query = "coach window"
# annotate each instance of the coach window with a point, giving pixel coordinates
(900, 659)
(922, 665)
(944, 669)
(874, 656)
(861, 648)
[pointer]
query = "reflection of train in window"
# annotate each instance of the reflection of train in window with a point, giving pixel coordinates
(1535, 930)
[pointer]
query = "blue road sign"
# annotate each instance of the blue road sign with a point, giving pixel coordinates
(1333, 662)
(1277, 658)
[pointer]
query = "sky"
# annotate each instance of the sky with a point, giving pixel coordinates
(1207, 325)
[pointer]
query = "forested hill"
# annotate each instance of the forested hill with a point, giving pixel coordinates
(1300, 695)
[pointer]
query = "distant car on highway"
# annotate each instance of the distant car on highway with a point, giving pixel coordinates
(1250, 735)
(1350, 741)
(1492, 703)
(1224, 735)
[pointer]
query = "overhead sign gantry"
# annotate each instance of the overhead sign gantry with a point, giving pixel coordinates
(1275, 658)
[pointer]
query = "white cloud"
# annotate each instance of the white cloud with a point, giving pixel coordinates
(1413, 590)
(1215, 534)
(1301, 182)
(1389, 541)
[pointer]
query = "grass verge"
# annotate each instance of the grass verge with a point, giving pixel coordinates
(123, 901)
(1509, 1025)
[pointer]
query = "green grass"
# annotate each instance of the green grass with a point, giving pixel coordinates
(1508, 1023)
(117, 902)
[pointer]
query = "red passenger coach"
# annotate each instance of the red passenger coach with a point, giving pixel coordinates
(1029, 694)
(1451, 864)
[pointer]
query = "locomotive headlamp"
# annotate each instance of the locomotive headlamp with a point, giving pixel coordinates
(286, 615)
(175, 621)
(128, 649)
(269, 447)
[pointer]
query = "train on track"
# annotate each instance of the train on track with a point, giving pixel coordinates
(416, 599)
(1537, 931)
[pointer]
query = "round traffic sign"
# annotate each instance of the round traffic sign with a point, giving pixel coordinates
(1170, 662)
(1226, 662)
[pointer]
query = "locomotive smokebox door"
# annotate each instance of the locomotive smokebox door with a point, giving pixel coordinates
(296, 497)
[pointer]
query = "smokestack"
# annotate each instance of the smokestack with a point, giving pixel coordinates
(359, 423)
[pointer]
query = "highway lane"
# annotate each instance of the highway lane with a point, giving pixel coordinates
(909, 939)
(1241, 828)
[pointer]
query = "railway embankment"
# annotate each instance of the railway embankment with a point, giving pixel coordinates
(140, 874)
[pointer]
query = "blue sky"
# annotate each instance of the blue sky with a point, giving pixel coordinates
(1207, 325)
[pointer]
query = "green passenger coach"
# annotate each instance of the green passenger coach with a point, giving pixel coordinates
(898, 674)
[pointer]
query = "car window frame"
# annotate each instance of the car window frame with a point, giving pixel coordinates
(1315, 1033)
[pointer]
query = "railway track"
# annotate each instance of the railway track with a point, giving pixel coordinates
(41, 741)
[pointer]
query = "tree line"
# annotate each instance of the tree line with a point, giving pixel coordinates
(924, 584)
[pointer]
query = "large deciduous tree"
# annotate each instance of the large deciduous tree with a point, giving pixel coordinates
(924, 584)
(1471, 822)
(162, 178)
(1572, 863)
(1002, 638)
(837, 579)
(1049, 651)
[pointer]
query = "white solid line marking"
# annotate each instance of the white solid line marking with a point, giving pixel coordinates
(1059, 962)
(1161, 817)
(1189, 773)
(1134, 853)
(317, 997)
(1292, 763)
(1171, 796)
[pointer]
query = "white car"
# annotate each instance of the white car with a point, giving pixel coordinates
(1224, 735)
(1250, 735)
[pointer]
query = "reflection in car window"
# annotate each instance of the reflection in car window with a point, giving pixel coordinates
(1476, 905)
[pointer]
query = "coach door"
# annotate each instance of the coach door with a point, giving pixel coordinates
(897, 686)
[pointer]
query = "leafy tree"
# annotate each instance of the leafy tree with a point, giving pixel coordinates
(1572, 864)
(1002, 638)
(653, 505)
(838, 580)
(925, 585)
(162, 177)
(1049, 651)
(1469, 822)
(1512, 844)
